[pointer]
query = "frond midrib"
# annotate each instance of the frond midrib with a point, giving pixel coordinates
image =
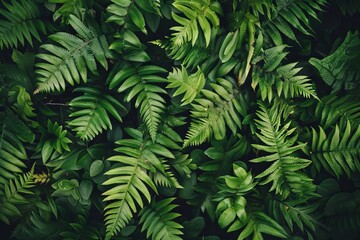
(278, 151)
(113, 225)
(98, 99)
(338, 150)
(69, 55)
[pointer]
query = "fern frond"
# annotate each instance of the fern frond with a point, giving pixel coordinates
(291, 85)
(279, 142)
(21, 22)
(214, 111)
(90, 112)
(199, 14)
(338, 108)
(293, 14)
(339, 69)
(39, 224)
(158, 220)
(140, 82)
(138, 160)
(294, 215)
(189, 55)
(190, 85)
(284, 78)
(338, 151)
(13, 196)
(12, 150)
(69, 60)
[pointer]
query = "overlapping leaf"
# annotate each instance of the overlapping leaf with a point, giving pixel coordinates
(199, 14)
(214, 111)
(130, 178)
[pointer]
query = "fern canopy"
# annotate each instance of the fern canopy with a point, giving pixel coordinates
(177, 119)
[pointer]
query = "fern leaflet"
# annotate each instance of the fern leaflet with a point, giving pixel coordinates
(335, 108)
(339, 69)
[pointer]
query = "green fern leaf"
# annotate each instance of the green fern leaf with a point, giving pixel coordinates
(284, 78)
(233, 210)
(189, 55)
(339, 69)
(335, 108)
(130, 47)
(199, 14)
(158, 220)
(69, 60)
(53, 139)
(83, 228)
(293, 14)
(294, 214)
(138, 160)
(21, 21)
(91, 112)
(140, 82)
(12, 151)
(337, 152)
(214, 111)
(279, 142)
(13, 195)
(190, 85)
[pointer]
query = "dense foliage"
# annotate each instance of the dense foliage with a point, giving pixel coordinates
(179, 119)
